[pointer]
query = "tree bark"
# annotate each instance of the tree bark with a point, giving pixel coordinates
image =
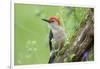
(83, 42)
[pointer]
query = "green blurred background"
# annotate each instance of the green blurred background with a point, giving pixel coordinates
(31, 33)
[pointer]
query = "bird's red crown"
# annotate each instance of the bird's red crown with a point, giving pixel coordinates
(54, 19)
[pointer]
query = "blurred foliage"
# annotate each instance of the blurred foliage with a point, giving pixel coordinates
(31, 33)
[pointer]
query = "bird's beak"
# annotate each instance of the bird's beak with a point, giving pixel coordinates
(45, 20)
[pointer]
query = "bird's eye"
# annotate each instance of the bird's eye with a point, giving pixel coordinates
(52, 21)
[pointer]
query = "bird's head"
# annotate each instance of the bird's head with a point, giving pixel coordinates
(53, 22)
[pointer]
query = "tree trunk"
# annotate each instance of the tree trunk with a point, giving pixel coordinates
(83, 42)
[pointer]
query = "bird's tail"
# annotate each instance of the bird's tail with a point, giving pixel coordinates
(52, 57)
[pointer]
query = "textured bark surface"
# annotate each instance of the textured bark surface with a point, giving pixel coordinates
(84, 41)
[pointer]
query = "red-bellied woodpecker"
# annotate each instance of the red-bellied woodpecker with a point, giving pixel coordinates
(56, 36)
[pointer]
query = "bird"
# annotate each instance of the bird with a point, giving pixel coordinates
(56, 36)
